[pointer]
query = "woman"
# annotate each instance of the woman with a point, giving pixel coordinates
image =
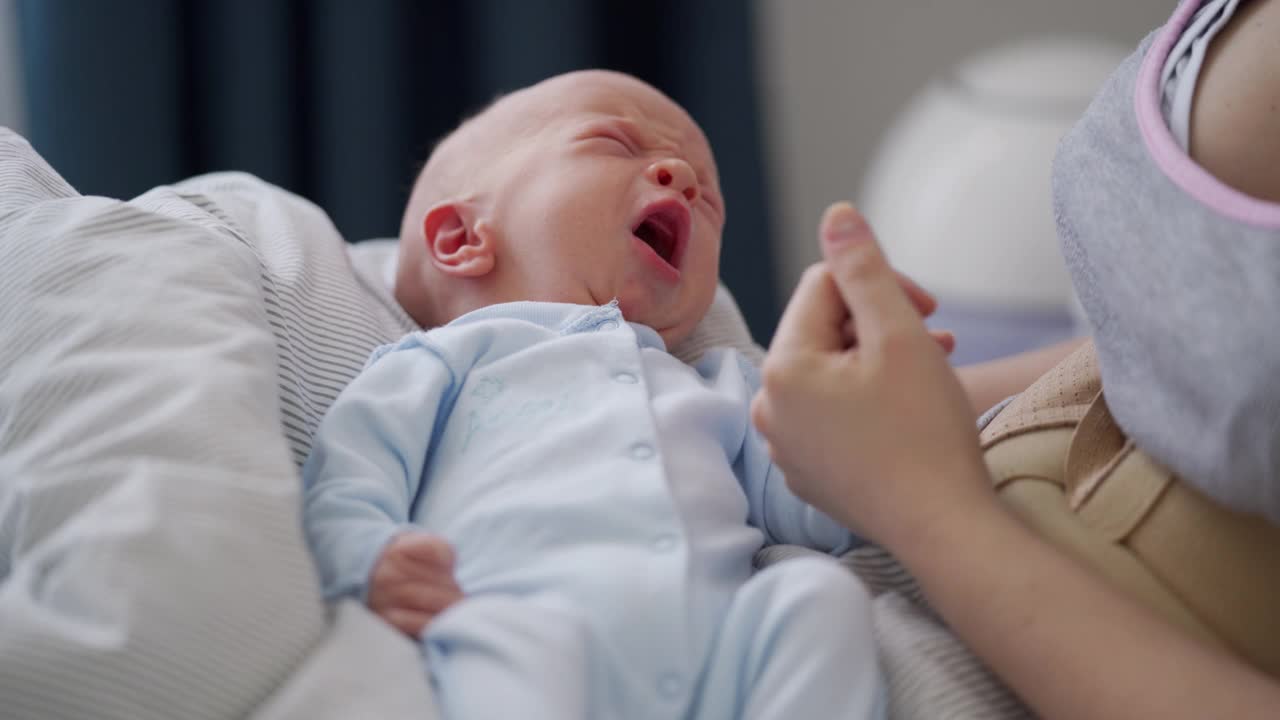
(880, 435)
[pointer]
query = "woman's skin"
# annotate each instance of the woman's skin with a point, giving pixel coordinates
(880, 436)
(1235, 119)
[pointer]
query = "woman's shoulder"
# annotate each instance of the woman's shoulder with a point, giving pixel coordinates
(1235, 118)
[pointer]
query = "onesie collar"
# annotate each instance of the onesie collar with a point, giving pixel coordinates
(565, 318)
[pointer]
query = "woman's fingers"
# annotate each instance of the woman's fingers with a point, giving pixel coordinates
(814, 315)
(819, 316)
(869, 287)
(923, 300)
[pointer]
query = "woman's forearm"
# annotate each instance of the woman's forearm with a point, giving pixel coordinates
(990, 382)
(1065, 640)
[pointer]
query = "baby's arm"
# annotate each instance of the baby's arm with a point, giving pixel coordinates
(360, 482)
(772, 507)
(778, 513)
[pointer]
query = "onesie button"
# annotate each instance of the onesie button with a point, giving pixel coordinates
(664, 543)
(670, 685)
(642, 451)
(607, 325)
(626, 378)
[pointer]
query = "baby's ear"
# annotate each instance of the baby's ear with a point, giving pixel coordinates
(458, 242)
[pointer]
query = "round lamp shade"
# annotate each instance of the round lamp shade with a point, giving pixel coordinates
(959, 191)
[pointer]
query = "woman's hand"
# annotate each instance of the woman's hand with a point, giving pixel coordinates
(875, 429)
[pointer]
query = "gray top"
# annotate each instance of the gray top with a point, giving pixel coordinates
(1180, 278)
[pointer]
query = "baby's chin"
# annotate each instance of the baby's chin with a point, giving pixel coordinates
(674, 337)
(672, 333)
(674, 321)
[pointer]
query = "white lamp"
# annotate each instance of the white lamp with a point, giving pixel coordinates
(959, 191)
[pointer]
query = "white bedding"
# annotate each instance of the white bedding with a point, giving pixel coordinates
(163, 363)
(153, 565)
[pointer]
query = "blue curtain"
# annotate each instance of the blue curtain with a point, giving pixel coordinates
(340, 101)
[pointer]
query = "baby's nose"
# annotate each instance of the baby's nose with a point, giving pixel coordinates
(676, 174)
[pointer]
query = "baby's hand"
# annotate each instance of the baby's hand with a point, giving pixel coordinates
(413, 582)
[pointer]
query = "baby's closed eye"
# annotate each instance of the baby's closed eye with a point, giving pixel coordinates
(608, 141)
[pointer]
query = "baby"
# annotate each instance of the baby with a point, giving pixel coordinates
(605, 499)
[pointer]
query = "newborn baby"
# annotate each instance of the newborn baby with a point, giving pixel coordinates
(605, 499)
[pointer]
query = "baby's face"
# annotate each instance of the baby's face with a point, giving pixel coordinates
(602, 187)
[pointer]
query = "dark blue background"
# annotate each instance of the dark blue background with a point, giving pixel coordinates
(341, 101)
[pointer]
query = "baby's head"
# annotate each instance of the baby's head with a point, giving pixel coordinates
(582, 188)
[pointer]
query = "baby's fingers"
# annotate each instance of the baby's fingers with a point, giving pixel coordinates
(945, 338)
(427, 551)
(409, 622)
(433, 596)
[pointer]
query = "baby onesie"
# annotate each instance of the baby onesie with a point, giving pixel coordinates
(605, 501)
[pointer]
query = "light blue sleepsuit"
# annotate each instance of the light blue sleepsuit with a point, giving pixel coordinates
(605, 501)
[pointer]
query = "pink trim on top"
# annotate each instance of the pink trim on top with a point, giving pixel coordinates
(1176, 163)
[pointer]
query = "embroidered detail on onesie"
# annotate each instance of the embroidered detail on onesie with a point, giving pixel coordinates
(487, 389)
(516, 419)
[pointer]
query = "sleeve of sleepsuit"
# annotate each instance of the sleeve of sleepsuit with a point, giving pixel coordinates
(773, 508)
(367, 460)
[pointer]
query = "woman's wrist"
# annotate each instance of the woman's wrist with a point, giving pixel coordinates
(937, 521)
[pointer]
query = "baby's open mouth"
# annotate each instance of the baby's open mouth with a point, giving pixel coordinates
(664, 228)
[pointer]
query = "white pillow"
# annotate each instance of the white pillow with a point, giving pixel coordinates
(151, 558)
